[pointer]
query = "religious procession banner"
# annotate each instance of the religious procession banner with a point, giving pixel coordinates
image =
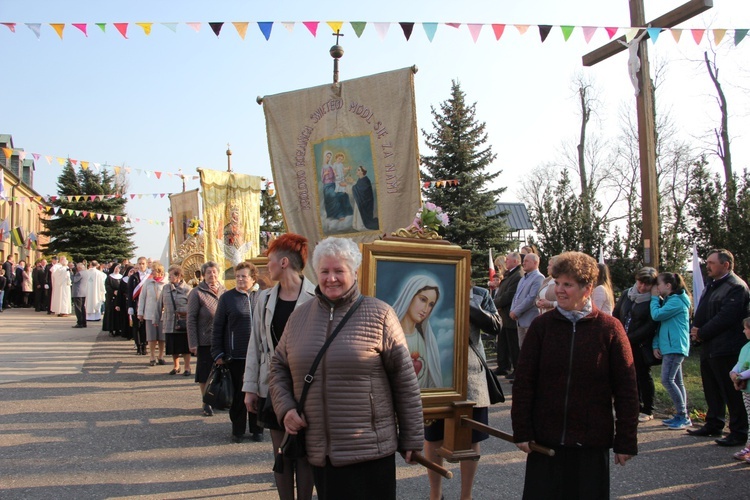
(231, 214)
(344, 157)
(185, 208)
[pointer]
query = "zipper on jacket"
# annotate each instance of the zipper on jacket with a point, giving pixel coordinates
(567, 386)
(323, 391)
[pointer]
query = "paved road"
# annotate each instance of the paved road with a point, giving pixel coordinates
(83, 417)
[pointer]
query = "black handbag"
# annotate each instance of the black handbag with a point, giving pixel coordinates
(648, 354)
(293, 446)
(219, 388)
(180, 318)
(493, 384)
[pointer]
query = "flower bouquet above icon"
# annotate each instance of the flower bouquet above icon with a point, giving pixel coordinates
(195, 227)
(427, 221)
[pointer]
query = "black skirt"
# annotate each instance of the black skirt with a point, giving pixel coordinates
(177, 343)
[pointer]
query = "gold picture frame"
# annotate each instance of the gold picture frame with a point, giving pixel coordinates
(397, 271)
(264, 277)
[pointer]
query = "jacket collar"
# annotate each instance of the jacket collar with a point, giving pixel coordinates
(349, 297)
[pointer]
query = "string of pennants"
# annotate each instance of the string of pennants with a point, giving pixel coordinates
(85, 165)
(382, 29)
(98, 216)
(440, 183)
(87, 197)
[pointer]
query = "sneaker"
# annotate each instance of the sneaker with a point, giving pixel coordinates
(680, 422)
(743, 454)
(669, 421)
(645, 417)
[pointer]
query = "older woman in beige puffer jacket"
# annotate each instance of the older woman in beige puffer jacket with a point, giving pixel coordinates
(364, 386)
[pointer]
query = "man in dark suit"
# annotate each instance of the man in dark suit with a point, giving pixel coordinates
(48, 286)
(10, 276)
(507, 340)
(134, 288)
(717, 325)
(38, 282)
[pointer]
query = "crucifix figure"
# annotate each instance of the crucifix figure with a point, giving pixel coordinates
(645, 106)
(634, 62)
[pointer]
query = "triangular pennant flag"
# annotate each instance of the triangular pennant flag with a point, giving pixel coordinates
(85, 213)
(453, 25)
(158, 175)
(335, 25)
(8, 153)
(588, 33)
(127, 170)
(544, 30)
(22, 155)
(241, 29)
(522, 28)
(74, 162)
(567, 31)
(289, 26)
(117, 170)
(10, 26)
(475, 29)
(169, 174)
(61, 161)
(498, 29)
(161, 195)
(155, 195)
(132, 196)
(265, 28)
(102, 26)
(358, 27)
(430, 29)
(83, 27)
(36, 28)
(676, 34)
(653, 33)
(96, 166)
(92, 215)
(407, 29)
(171, 26)
(611, 32)
(382, 29)
(719, 35)
(58, 27)
(697, 35)
(739, 35)
(630, 34)
(36, 156)
(85, 165)
(92, 197)
(122, 28)
(216, 27)
(148, 174)
(312, 27)
(146, 27)
(196, 26)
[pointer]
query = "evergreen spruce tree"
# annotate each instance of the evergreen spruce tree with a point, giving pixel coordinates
(86, 237)
(271, 219)
(460, 151)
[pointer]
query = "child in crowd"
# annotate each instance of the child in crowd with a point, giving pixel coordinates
(670, 307)
(740, 375)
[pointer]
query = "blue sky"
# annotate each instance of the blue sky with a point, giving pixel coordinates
(173, 101)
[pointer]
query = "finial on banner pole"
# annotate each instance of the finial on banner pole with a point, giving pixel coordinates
(229, 159)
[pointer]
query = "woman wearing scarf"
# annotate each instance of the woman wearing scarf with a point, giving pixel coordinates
(147, 310)
(173, 305)
(634, 312)
(574, 391)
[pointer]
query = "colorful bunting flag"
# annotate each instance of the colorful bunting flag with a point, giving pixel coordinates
(697, 35)
(475, 29)
(82, 27)
(588, 33)
(522, 28)
(567, 31)
(407, 29)
(611, 32)
(739, 35)
(102, 26)
(241, 29)
(195, 26)
(171, 26)
(653, 33)
(312, 27)
(544, 30)
(382, 29)
(216, 27)
(146, 27)
(676, 34)
(359, 27)
(122, 28)
(36, 28)
(335, 25)
(430, 29)
(498, 29)
(10, 26)
(58, 27)
(265, 28)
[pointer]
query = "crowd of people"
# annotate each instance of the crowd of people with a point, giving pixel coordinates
(580, 361)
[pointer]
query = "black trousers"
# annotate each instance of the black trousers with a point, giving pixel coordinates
(645, 381)
(80, 307)
(507, 349)
(720, 393)
(573, 473)
(374, 479)
(39, 302)
(139, 331)
(238, 414)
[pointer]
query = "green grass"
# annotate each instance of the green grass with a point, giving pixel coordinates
(691, 376)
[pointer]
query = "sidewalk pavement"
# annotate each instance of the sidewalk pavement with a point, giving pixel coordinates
(83, 417)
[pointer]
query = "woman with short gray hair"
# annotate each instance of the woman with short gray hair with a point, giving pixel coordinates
(202, 303)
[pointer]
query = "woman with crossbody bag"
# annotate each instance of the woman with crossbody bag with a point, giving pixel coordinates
(173, 315)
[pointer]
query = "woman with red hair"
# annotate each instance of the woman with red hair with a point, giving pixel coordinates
(287, 256)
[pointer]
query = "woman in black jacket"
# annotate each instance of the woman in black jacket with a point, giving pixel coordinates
(634, 312)
(231, 335)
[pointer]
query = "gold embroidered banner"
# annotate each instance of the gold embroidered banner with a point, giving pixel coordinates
(184, 208)
(231, 216)
(344, 157)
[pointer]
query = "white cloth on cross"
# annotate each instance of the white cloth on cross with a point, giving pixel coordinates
(61, 290)
(95, 293)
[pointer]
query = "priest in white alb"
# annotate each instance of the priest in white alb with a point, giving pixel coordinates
(95, 291)
(61, 282)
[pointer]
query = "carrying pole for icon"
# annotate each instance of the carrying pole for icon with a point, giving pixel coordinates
(504, 435)
(421, 460)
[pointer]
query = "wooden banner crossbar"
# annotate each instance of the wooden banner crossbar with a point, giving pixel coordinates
(465, 421)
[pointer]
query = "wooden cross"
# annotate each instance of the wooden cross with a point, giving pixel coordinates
(645, 108)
